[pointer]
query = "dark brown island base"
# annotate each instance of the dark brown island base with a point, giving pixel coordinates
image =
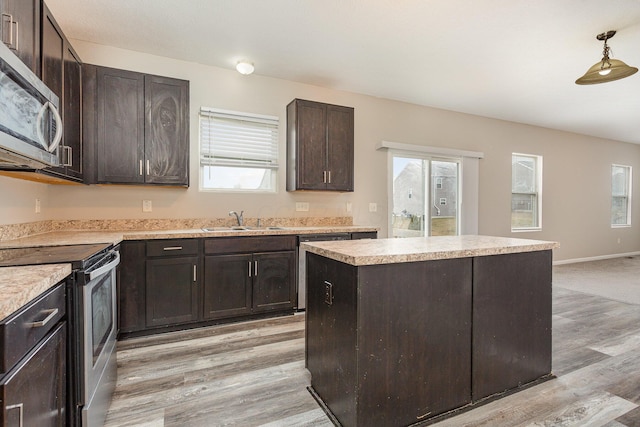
(408, 331)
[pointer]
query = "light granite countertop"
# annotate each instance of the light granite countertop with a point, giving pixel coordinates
(19, 285)
(56, 238)
(389, 251)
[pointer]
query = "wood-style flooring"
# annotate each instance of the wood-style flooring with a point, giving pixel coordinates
(252, 374)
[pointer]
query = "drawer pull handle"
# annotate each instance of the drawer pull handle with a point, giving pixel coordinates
(20, 407)
(173, 248)
(249, 268)
(51, 313)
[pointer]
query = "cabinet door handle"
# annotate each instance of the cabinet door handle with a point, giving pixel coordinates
(68, 154)
(16, 46)
(329, 173)
(249, 268)
(195, 275)
(255, 268)
(147, 167)
(140, 167)
(7, 18)
(50, 314)
(172, 248)
(324, 177)
(20, 407)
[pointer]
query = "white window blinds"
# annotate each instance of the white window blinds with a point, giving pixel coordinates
(229, 138)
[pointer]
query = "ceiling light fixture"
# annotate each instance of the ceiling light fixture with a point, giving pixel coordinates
(607, 70)
(245, 67)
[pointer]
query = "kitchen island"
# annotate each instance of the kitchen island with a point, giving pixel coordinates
(402, 331)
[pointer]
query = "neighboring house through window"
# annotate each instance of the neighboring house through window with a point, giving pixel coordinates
(238, 151)
(526, 192)
(620, 196)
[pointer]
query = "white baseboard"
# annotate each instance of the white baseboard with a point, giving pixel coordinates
(595, 258)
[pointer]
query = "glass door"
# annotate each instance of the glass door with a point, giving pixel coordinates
(409, 197)
(425, 197)
(444, 198)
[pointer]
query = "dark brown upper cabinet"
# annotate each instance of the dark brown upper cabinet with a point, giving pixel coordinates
(20, 30)
(136, 127)
(61, 71)
(319, 146)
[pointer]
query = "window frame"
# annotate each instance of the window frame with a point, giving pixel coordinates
(628, 196)
(207, 113)
(537, 193)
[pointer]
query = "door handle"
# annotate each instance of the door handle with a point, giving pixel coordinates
(195, 274)
(255, 268)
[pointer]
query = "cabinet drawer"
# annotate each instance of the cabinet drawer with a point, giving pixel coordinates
(222, 245)
(22, 330)
(172, 247)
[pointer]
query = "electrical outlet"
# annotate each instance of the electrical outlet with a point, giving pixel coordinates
(373, 207)
(38, 206)
(349, 207)
(147, 206)
(302, 206)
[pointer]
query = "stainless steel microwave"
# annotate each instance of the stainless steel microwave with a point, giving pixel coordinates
(30, 125)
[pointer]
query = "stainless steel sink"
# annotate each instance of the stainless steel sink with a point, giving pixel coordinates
(240, 228)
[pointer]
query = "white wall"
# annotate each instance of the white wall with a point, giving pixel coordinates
(576, 198)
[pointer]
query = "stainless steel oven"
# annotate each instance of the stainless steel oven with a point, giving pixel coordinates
(97, 308)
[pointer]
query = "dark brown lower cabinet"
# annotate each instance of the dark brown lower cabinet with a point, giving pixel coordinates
(227, 285)
(511, 321)
(177, 283)
(389, 345)
(33, 393)
(172, 291)
(397, 344)
(240, 284)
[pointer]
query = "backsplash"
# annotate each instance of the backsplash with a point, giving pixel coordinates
(16, 231)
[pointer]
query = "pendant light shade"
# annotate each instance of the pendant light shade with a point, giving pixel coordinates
(607, 70)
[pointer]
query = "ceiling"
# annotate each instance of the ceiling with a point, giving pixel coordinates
(514, 60)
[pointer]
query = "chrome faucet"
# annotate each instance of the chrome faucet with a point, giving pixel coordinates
(238, 217)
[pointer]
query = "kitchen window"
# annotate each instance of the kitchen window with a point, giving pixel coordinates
(526, 192)
(620, 196)
(238, 151)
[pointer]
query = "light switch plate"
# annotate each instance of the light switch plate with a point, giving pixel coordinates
(373, 207)
(349, 207)
(39, 208)
(147, 206)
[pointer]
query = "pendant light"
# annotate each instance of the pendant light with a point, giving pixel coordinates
(607, 70)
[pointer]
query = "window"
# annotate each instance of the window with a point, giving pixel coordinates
(620, 195)
(238, 151)
(526, 192)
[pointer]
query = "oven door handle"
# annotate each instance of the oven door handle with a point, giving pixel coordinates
(105, 268)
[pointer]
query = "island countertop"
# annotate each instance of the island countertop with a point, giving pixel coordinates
(389, 251)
